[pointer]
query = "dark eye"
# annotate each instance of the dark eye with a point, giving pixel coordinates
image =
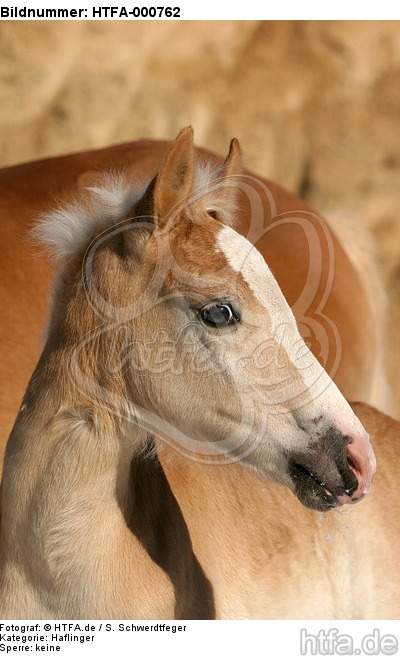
(219, 315)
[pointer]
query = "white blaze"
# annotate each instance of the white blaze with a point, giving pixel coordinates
(325, 398)
(244, 258)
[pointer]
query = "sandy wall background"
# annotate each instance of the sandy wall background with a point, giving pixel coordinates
(316, 106)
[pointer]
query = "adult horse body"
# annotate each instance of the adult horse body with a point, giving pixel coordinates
(268, 557)
(101, 518)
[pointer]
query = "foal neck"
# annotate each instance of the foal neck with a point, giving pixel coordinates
(91, 527)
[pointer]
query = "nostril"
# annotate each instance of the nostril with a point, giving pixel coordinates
(357, 466)
(351, 478)
(352, 465)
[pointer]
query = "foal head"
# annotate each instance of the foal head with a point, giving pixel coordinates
(199, 336)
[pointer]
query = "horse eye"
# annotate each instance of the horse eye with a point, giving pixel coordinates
(219, 315)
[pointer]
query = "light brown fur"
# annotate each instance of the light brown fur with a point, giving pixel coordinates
(100, 520)
(271, 558)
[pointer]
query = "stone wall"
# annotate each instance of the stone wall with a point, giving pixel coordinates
(316, 105)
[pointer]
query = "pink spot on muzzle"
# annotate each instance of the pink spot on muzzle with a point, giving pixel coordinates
(361, 460)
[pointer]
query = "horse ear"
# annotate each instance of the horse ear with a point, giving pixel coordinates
(231, 167)
(174, 181)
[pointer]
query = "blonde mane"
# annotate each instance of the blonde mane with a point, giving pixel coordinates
(69, 228)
